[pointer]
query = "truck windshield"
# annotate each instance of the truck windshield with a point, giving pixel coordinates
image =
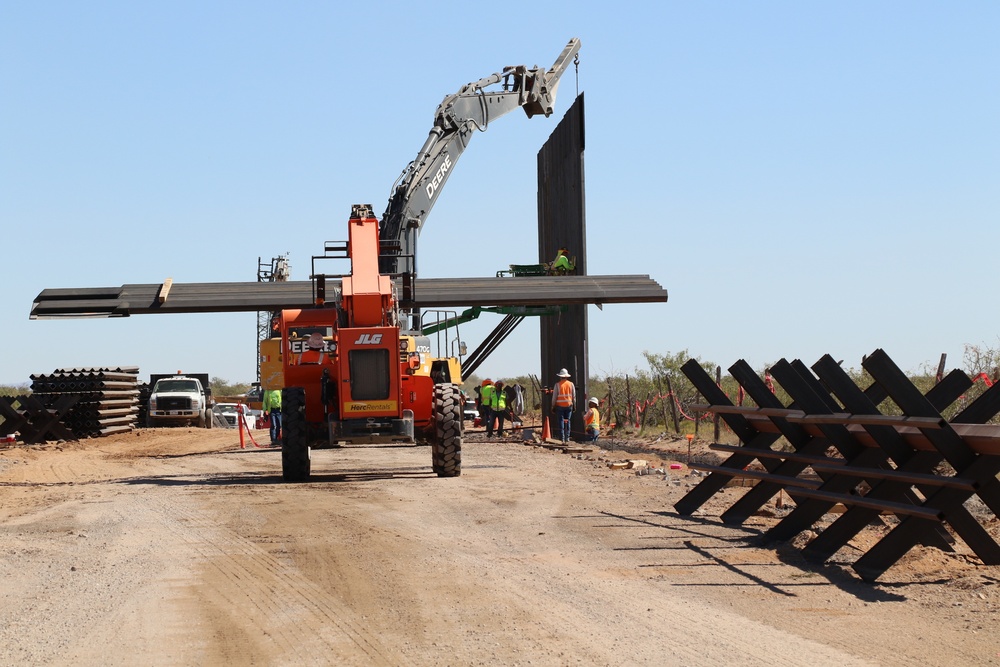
(176, 386)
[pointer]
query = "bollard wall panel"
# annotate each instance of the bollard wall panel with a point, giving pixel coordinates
(562, 223)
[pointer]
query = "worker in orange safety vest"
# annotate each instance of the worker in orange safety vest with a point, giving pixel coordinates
(564, 402)
(315, 350)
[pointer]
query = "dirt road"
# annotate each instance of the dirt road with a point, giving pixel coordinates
(175, 547)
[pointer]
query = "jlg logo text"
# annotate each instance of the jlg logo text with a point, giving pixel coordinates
(369, 339)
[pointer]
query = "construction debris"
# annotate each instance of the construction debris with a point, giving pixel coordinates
(628, 465)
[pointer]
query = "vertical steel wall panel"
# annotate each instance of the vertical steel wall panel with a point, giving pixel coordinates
(562, 223)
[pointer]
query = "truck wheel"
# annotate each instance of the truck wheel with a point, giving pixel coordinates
(295, 459)
(209, 417)
(446, 448)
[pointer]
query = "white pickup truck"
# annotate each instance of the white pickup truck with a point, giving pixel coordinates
(231, 413)
(180, 399)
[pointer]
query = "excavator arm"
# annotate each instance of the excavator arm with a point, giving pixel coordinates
(457, 118)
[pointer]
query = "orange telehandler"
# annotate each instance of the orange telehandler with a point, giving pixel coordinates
(356, 367)
(351, 377)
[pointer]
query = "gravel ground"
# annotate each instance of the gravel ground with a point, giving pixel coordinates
(174, 546)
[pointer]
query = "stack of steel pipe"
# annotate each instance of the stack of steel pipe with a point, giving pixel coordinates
(109, 398)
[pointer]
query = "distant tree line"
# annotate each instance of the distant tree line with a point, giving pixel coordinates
(660, 398)
(222, 387)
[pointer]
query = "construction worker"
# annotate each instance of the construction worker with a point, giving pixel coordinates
(479, 403)
(486, 412)
(272, 406)
(563, 402)
(592, 419)
(498, 406)
(562, 264)
(313, 350)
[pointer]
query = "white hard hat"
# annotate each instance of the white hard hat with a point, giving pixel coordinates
(593, 399)
(563, 373)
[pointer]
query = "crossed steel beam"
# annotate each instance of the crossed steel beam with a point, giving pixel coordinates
(870, 462)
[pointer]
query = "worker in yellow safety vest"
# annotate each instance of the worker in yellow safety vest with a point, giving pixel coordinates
(498, 409)
(562, 264)
(485, 412)
(272, 406)
(563, 402)
(592, 419)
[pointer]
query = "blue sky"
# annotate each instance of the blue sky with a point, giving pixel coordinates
(804, 178)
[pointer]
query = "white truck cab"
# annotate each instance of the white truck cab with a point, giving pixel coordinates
(179, 399)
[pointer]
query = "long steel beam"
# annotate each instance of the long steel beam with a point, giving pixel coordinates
(270, 296)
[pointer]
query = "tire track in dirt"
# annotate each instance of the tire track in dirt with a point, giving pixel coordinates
(308, 624)
(162, 552)
(544, 598)
(71, 572)
(127, 551)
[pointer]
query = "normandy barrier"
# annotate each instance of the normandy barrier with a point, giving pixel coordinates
(916, 466)
(31, 420)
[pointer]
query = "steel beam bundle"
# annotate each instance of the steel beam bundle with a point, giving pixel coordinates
(261, 296)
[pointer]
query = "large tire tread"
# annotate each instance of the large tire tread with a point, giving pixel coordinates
(295, 460)
(446, 447)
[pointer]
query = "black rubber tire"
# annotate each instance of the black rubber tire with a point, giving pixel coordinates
(296, 464)
(446, 447)
(209, 417)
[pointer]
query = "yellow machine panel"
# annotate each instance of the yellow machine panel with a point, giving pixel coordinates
(272, 375)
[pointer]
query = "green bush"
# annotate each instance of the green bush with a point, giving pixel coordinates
(221, 387)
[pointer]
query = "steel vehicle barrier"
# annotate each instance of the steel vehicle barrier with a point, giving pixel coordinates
(917, 465)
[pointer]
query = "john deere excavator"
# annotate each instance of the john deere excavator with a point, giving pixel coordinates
(457, 119)
(356, 368)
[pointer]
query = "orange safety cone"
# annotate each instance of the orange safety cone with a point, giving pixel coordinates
(546, 434)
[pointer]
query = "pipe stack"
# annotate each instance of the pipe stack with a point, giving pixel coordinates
(109, 398)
